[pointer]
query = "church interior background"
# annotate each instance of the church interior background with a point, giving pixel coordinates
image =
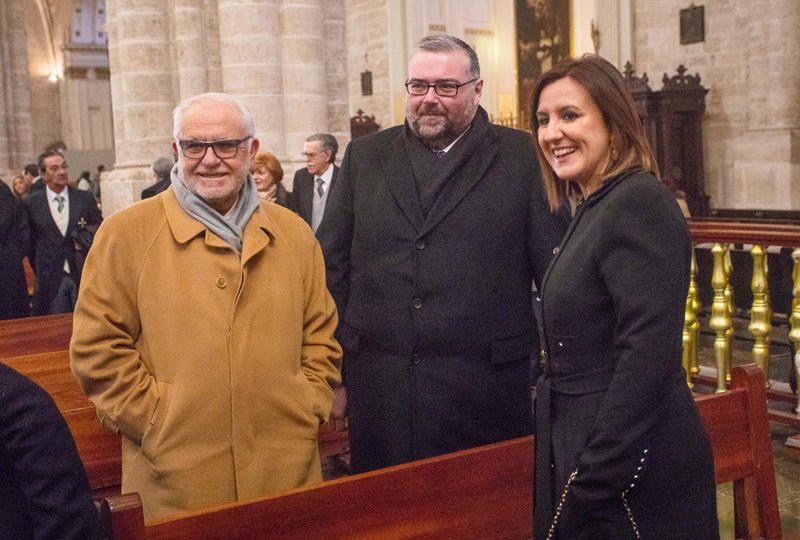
(100, 77)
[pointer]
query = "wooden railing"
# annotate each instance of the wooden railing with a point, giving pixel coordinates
(720, 235)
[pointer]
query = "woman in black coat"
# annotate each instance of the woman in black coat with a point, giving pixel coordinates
(620, 449)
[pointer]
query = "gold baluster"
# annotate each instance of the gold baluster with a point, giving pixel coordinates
(731, 312)
(696, 305)
(794, 320)
(760, 314)
(720, 320)
(689, 326)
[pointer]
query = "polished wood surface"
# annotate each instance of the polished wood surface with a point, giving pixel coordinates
(480, 493)
(737, 426)
(99, 448)
(33, 335)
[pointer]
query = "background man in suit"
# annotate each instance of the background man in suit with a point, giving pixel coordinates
(433, 235)
(54, 213)
(162, 167)
(31, 175)
(14, 238)
(313, 184)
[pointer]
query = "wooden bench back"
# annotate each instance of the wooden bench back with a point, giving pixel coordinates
(99, 449)
(34, 335)
(737, 425)
(479, 493)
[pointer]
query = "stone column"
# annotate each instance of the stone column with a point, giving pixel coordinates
(142, 95)
(191, 56)
(766, 171)
(250, 54)
(16, 135)
(304, 74)
(333, 16)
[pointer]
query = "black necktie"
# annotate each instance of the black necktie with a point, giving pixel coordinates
(320, 189)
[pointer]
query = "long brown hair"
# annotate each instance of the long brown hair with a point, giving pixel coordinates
(604, 83)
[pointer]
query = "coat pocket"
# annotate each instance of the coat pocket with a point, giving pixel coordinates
(516, 347)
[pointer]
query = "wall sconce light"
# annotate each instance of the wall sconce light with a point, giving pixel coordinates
(53, 78)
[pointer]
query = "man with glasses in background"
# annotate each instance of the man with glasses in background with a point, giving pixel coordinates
(313, 184)
(432, 237)
(204, 331)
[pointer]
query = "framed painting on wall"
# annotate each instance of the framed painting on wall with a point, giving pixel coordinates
(542, 40)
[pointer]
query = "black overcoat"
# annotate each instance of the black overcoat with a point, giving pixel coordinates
(436, 317)
(14, 237)
(44, 492)
(49, 249)
(613, 401)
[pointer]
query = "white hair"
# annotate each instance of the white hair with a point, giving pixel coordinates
(218, 97)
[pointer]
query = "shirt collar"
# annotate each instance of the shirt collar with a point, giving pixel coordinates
(51, 195)
(327, 176)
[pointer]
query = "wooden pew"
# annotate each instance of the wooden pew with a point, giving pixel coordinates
(737, 425)
(34, 335)
(480, 493)
(99, 449)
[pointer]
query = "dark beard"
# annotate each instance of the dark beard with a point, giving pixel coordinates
(447, 133)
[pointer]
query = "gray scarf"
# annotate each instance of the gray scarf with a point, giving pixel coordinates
(229, 227)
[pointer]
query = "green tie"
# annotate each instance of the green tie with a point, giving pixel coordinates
(60, 201)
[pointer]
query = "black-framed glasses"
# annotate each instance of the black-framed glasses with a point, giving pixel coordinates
(225, 149)
(443, 89)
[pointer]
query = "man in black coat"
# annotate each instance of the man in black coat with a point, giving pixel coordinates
(54, 213)
(14, 301)
(44, 492)
(313, 184)
(432, 238)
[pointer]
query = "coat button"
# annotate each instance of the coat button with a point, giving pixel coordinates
(420, 244)
(417, 303)
(221, 283)
(415, 359)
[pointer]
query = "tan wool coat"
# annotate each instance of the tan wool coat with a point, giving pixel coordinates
(217, 370)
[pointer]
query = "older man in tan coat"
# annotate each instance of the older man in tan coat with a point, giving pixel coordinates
(204, 331)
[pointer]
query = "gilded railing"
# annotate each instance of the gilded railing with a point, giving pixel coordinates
(720, 235)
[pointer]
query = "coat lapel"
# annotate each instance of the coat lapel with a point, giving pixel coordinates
(400, 180)
(462, 182)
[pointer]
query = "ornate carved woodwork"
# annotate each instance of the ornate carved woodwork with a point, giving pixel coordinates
(673, 119)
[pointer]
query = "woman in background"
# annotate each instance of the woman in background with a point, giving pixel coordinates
(267, 174)
(20, 187)
(620, 449)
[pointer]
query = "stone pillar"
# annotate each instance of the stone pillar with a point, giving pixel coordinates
(250, 53)
(304, 74)
(190, 48)
(333, 16)
(766, 172)
(142, 95)
(16, 135)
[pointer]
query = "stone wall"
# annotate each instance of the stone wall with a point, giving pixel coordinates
(750, 62)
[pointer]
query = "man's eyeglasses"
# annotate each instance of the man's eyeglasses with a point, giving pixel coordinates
(222, 149)
(443, 89)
